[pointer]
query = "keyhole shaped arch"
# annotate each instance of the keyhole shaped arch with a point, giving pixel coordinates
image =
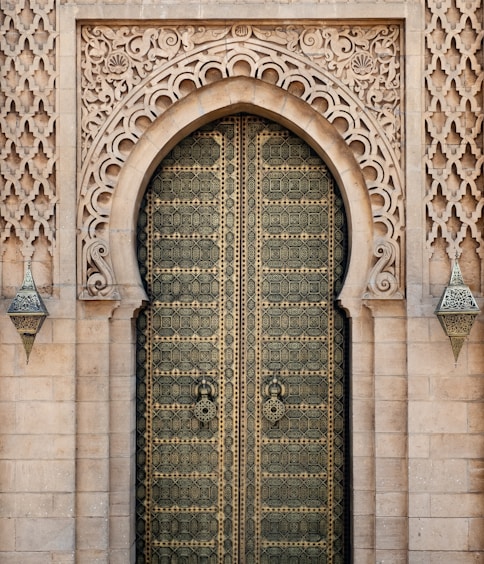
(211, 102)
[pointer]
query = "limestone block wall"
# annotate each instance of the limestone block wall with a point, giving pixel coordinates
(37, 402)
(417, 418)
(445, 416)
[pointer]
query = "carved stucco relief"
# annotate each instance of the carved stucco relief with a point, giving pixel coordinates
(27, 133)
(454, 132)
(131, 74)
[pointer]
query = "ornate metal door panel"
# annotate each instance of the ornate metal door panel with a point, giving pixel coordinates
(241, 359)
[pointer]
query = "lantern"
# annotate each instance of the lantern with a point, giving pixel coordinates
(27, 311)
(457, 310)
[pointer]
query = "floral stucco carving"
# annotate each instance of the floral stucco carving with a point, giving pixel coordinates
(131, 74)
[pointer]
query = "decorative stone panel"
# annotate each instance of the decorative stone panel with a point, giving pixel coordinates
(130, 75)
(27, 131)
(454, 134)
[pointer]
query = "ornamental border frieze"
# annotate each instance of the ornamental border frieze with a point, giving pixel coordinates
(130, 75)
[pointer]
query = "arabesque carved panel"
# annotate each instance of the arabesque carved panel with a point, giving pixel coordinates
(27, 127)
(454, 131)
(350, 74)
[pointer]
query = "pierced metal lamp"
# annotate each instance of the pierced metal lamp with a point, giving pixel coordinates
(27, 311)
(457, 310)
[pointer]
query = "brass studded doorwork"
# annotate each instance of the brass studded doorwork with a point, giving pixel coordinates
(241, 353)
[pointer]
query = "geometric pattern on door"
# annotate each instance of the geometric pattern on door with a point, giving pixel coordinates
(241, 353)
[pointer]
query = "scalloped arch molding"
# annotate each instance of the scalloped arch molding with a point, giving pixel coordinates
(144, 88)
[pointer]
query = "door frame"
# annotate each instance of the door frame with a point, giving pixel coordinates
(225, 97)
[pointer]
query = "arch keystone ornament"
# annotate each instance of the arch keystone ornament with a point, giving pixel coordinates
(457, 310)
(132, 76)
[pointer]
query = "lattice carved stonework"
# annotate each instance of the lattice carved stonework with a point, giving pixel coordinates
(27, 130)
(454, 139)
(131, 74)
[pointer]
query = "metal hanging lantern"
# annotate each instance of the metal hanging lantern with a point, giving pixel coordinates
(457, 310)
(27, 311)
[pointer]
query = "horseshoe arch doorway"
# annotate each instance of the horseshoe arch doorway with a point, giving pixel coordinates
(242, 368)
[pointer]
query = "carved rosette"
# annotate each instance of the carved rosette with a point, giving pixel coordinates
(131, 75)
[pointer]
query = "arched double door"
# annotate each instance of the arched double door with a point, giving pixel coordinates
(241, 353)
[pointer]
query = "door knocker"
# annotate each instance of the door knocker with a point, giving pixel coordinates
(205, 409)
(273, 408)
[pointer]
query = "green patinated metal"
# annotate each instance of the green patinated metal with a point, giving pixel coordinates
(241, 363)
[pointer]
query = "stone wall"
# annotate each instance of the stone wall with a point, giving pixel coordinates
(445, 417)
(78, 139)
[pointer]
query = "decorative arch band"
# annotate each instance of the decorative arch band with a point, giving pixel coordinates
(132, 75)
